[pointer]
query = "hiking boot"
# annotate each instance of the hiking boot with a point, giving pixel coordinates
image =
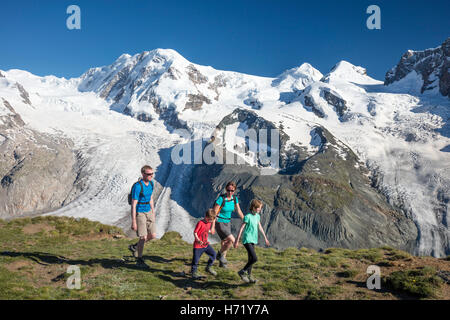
(133, 249)
(196, 275)
(251, 279)
(222, 261)
(140, 263)
(244, 276)
(210, 271)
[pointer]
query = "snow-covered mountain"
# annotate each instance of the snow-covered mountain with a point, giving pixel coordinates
(427, 70)
(121, 116)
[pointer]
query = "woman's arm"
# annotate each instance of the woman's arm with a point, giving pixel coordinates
(239, 211)
(263, 233)
(216, 208)
(236, 243)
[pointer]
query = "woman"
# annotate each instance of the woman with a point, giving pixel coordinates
(224, 206)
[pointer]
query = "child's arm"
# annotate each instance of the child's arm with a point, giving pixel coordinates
(213, 227)
(262, 231)
(236, 243)
(197, 228)
(197, 238)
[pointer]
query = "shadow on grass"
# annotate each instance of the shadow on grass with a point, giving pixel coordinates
(179, 279)
(383, 289)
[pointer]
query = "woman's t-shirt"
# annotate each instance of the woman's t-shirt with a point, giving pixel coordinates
(251, 228)
(228, 208)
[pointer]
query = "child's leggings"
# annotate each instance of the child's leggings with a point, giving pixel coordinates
(252, 258)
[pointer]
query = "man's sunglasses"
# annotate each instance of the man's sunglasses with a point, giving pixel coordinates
(230, 190)
(148, 174)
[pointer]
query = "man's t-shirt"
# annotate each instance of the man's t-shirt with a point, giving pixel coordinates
(201, 229)
(228, 208)
(147, 194)
(251, 228)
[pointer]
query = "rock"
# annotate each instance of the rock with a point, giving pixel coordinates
(432, 64)
(37, 170)
(195, 101)
(316, 201)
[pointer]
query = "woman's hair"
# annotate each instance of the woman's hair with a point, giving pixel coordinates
(255, 203)
(231, 183)
(210, 213)
(146, 167)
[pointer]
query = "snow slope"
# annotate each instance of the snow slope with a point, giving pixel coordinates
(399, 134)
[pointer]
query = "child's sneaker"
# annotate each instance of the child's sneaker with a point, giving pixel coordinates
(243, 275)
(251, 279)
(196, 275)
(210, 271)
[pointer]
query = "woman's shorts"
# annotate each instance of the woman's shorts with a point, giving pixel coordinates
(223, 229)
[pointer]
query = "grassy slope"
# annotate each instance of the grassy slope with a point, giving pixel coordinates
(35, 254)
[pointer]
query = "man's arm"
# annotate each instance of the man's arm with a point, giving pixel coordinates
(133, 214)
(151, 204)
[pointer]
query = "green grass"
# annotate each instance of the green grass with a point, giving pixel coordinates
(419, 282)
(35, 254)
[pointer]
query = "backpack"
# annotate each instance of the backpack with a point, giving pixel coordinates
(223, 203)
(141, 194)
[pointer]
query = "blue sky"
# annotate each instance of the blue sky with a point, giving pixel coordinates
(261, 37)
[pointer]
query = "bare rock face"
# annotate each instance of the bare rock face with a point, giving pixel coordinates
(195, 101)
(339, 104)
(195, 76)
(37, 171)
(322, 200)
(432, 64)
(23, 94)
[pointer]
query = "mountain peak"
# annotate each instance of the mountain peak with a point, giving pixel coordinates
(298, 78)
(429, 69)
(345, 71)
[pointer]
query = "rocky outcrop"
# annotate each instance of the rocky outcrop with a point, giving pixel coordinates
(195, 76)
(37, 171)
(333, 99)
(323, 200)
(432, 64)
(195, 101)
(23, 94)
(317, 96)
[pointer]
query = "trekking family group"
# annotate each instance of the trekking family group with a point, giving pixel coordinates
(216, 219)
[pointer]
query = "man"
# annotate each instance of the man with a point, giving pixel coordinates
(143, 214)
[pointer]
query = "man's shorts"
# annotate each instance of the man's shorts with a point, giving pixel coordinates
(145, 223)
(223, 229)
